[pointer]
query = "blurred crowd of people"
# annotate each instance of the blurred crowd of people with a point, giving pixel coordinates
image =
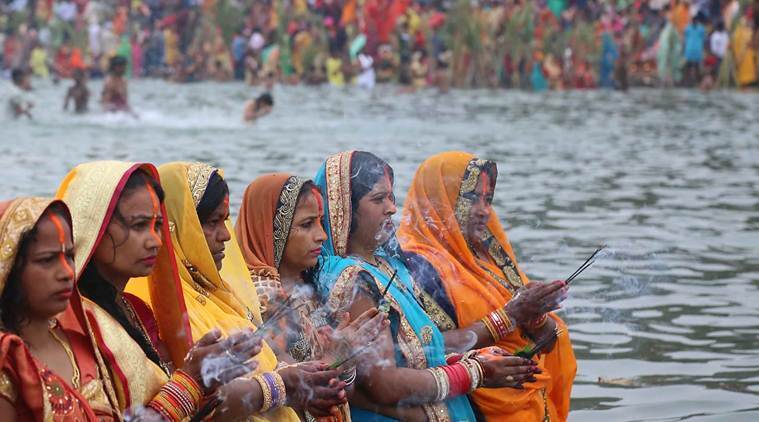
(538, 45)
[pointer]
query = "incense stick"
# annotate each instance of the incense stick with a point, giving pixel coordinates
(539, 345)
(206, 410)
(340, 363)
(585, 265)
(389, 283)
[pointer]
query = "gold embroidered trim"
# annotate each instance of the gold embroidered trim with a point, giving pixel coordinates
(338, 170)
(198, 176)
(20, 217)
(441, 318)
(7, 387)
(283, 218)
(437, 412)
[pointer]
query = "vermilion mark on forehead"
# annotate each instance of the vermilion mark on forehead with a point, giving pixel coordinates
(485, 183)
(62, 239)
(318, 196)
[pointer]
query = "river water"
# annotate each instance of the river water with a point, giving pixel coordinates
(665, 327)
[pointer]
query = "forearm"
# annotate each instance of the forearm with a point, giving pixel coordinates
(398, 386)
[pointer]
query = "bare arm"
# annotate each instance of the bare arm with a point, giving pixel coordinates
(379, 379)
(66, 100)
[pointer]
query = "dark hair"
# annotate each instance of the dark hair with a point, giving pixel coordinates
(366, 170)
(17, 75)
(115, 62)
(214, 195)
(265, 98)
(94, 287)
(13, 302)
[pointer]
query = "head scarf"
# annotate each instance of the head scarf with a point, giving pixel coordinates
(271, 197)
(436, 210)
(222, 299)
(21, 375)
(93, 191)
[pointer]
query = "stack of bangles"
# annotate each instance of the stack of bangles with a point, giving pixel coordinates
(179, 398)
(273, 388)
(499, 323)
(457, 379)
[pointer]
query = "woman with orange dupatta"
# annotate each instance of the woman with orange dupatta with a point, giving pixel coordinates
(49, 368)
(280, 234)
(118, 213)
(448, 224)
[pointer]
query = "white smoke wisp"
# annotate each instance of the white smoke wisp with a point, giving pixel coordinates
(142, 414)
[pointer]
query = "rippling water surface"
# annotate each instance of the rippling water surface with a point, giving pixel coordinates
(666, 327)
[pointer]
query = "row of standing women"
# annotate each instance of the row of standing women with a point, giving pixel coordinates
(132, 296)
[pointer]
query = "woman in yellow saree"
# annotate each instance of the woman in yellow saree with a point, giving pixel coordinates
(117, 214)
(49, 367)
(448, 223)
(216, 285)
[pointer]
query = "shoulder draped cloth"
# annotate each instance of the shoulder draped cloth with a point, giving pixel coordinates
(262, 228)
(223, 299)
(37, 393)
(92, 191)
(418, 342)
(436, 208)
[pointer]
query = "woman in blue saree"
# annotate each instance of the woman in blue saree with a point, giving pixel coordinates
(405, 373)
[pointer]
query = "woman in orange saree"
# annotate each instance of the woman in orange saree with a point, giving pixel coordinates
(49, 368)
(449, 225)
(118, 213)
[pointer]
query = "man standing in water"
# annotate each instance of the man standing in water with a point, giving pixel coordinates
(114, 97)
(19, 103)
(78, 93)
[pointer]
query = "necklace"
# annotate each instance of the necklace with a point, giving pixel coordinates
(136, 322)
(76, 377)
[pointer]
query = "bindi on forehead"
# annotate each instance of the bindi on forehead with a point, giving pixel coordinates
(485, 186)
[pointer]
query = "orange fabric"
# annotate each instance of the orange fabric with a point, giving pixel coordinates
(429, 228)
(349, 13)
(255, 224)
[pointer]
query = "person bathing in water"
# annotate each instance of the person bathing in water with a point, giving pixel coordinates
(78, 93)
(114, 96)
(259, 107)
(19, 103)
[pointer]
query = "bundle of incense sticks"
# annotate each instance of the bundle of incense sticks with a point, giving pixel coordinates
(538, 347)
(585, 265)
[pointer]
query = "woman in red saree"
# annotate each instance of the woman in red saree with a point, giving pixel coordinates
(49, 368)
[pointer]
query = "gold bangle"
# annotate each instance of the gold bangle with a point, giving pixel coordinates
(281, 389)
(266, 393)
(489, 326)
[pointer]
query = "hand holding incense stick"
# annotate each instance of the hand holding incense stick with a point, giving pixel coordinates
(585, 265)
(529, 353)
